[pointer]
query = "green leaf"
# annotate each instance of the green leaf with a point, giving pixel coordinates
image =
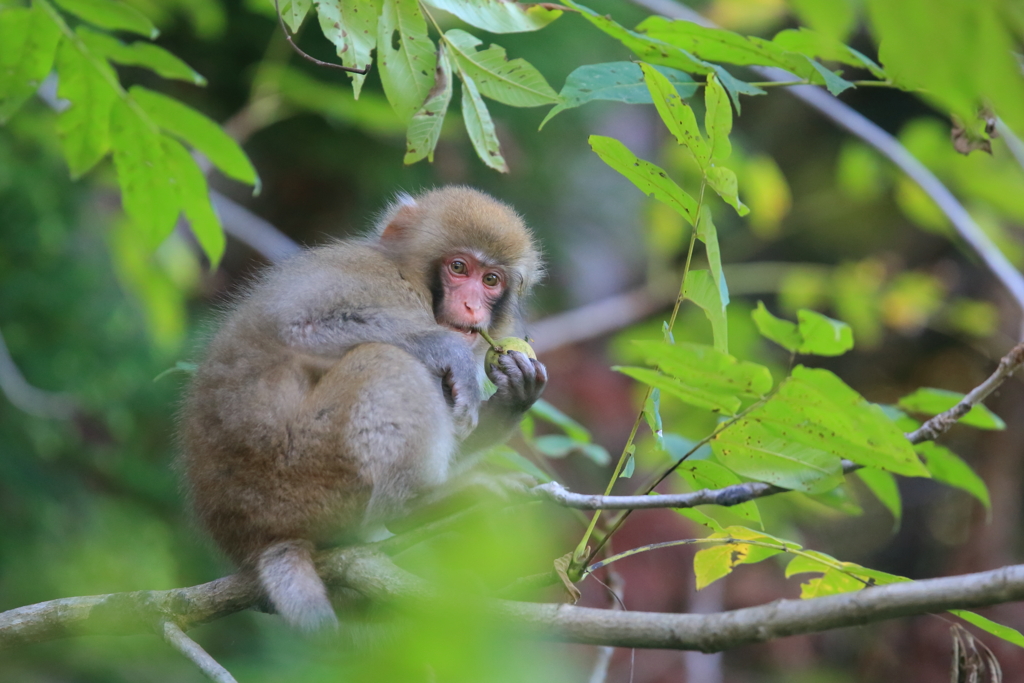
(883, 485)
(515, 83)
(823, 336)
(614, 82)
(947, 467)
(650, 179)
(723, 181)
(198, 131)
(813, 44)
(647, 49)
(407, 73)
(352, 26)
(782, 332)
(596, 453)
(139, 53)
(543, 410)
(293, 12)
(28, 45)
(717, 119)
(706, 474)
(833, 82)
(721, 45)
(425, 127)
(700, 375)
(84, 127)
(630, 467)
(1008, 634)
(480, 126)
(111, 14)
(194, 197)
(765, 452)
(816, 408)
(503, 455)
(148, 197)
(652, 414)
(928, 401)
(555, 445)
(701, 289)
(500, 16)
(677, 115)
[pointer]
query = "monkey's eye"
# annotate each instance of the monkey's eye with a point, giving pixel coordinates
(458, 267)
(491, 279)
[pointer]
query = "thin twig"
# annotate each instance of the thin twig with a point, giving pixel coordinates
(311, 58)
(941, 423)
(192, 651)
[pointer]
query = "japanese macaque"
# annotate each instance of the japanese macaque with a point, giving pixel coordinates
(347, 382)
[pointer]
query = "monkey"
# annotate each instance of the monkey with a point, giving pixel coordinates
(346, 382)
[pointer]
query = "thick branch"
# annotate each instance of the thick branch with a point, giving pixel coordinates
(376, 577)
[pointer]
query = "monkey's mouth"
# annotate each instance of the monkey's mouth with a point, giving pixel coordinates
(470, 333)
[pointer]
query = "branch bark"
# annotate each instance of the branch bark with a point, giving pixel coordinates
(374, 575)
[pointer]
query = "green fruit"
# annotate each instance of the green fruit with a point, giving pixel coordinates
(506, 344)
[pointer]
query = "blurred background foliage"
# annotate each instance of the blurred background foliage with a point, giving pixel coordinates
(91, 504)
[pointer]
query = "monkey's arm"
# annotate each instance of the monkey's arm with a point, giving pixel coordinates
(520, 381)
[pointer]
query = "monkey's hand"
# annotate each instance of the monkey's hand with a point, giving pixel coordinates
(520, 381)
(464, 398)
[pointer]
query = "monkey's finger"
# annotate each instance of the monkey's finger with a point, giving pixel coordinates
(541, 373)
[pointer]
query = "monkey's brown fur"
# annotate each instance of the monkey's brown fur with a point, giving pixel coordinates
(321, 407)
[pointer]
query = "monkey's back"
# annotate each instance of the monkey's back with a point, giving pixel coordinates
(260, 465)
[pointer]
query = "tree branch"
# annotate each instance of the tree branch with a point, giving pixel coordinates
(177, 639)
(941, 423)
(372, 574)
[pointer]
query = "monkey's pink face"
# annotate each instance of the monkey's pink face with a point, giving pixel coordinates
(471, 288)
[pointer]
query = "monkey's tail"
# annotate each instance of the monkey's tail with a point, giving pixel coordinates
(289, 577)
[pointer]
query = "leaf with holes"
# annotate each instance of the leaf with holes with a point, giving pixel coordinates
(425, 127)
(407, 56)
(352, 26)
(515, 83)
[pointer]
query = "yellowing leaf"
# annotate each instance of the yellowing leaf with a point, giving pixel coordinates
(426, 124)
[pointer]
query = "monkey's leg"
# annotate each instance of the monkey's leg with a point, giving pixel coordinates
(386, 413)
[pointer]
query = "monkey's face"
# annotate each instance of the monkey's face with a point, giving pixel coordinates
(471, 286)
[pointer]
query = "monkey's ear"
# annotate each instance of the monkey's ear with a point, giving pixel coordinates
(404, 215)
